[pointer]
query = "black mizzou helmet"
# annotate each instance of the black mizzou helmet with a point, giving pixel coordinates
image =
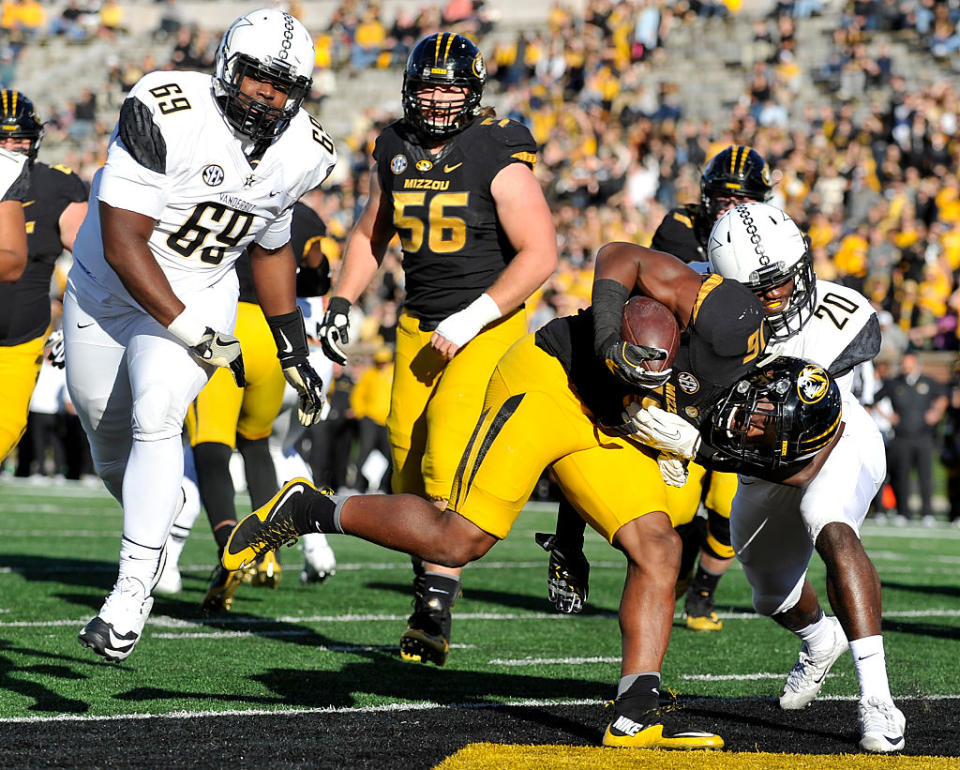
(18, 120)
(780, 415)
(736, 172)
(443, 59)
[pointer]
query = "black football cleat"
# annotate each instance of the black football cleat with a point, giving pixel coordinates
(267, 528)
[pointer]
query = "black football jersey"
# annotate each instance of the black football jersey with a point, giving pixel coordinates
(722, 342)
(305, 227)
(25, 304)
(684, 232)
(453, 245)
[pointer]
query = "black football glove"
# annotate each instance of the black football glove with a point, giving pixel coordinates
(309, 387)
(334, 330)
(625, 360)
(220, 349)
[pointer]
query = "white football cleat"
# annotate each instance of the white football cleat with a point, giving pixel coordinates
(169, 581)
(319, 561)
(809, 672)
(115, 631)
(881, 726)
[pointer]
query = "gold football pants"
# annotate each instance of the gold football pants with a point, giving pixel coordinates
(19, 369)
(530, 420)
(434, 404)
(222, 410)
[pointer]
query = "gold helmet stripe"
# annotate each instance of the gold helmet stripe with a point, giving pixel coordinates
(743, 159)
(3, 95)
(446, 50)
(733, 158)
(13, 107)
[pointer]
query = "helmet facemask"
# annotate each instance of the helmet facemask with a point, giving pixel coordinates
(777, 417)
(437, 117)
(248, 115)
(798, 305)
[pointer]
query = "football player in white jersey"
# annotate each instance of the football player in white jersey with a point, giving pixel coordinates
(775, 528)
(198, 169)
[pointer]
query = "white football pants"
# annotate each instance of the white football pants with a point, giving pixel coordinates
(773, 528)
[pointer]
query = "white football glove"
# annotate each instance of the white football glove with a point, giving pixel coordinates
(662, 430)
(673, 470)
(56, 350)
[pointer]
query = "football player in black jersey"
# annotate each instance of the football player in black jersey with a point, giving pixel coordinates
(225, 416)
(735, 174)
(568, 382)
(53, 209)
(457, 186)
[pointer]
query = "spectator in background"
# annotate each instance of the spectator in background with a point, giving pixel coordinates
(918, 403)
(950, 449)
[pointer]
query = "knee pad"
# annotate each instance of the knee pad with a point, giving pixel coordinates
(716, 536)
(153, 417)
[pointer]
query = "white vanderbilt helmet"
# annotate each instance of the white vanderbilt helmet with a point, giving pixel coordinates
(761, 246)
(269, 45)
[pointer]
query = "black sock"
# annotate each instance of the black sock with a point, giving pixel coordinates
(705, 582)
(316, 512)
(439, 585)
(570, 528)
(641, 696)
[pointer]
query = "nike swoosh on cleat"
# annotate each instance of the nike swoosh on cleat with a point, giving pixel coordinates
(892, 741)
(120, 644)
(290, 492)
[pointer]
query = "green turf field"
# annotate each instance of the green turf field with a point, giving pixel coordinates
(329, 645)
(297, 670)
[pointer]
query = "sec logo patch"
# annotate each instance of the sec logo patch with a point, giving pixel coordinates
(399, 164)
(212, 175)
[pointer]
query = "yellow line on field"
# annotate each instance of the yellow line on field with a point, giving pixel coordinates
(493, 756)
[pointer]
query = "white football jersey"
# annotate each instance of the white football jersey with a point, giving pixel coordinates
(174, 158)
(13, 166)
(842, 332)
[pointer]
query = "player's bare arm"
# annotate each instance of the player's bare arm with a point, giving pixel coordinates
(13, 253)
(275, 278)
(367, 243)
(656, 273)
(126, 237)
(525, 217)
(70, 220)
(363, 254)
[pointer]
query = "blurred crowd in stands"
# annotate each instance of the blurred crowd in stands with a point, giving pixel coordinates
(870, 169)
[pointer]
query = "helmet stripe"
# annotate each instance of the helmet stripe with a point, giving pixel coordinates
(436, 53)
(447, 49)
(733, 158)
(743, 159)
(13, 106)
(4, 95)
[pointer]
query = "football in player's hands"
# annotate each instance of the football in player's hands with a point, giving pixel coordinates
(650, 323)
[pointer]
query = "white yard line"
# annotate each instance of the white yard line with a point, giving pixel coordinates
(400, 707)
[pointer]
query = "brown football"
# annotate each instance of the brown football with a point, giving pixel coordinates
(649, 322)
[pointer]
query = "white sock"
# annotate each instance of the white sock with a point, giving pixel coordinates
(871, 667)
(818, 635)
(151, 494)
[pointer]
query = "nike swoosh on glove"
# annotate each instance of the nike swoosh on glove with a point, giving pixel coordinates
(334, 330)
(220, 349)
(309, 387)
(664, 431)
(626, 361)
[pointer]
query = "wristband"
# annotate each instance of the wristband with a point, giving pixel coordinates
(482, 310)
(188, 328)
(290, 337)
(609, 297)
